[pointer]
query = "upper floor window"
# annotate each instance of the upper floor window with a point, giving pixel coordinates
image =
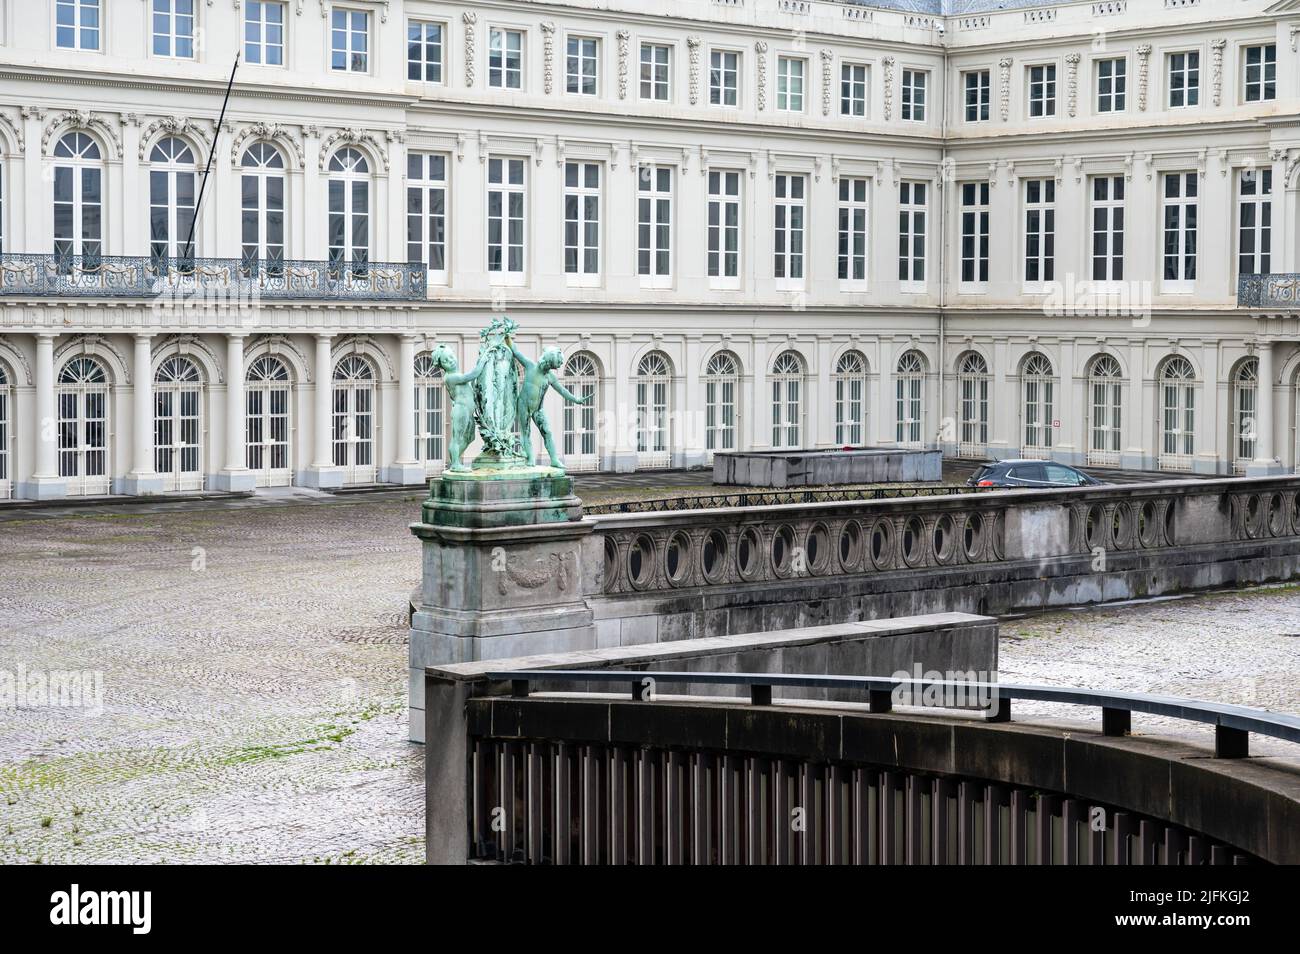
(853, 89)
(1261, 73)
(656, 61)
(974, 233)
(582, 221)
(1108, 228)
(172, 177)
(912, 198)
(789, 83)
(1042, 91)
(977, 87)
(1040, 230)
(423, 51)
(654, 225)
(426, 213)
(581, 65)
(1255, 222)
(261, 213)
(913, 95)
(77, 24)
(1179, 213)
(173, 28)
(350, 41)
(264, 33)
(349, 207)
(1112, 85)
(78, 197)
(1184, 79)
(788, 239)
(724, 228)
(853, 230)
(724, 78)
(506, 194)
(506, 59)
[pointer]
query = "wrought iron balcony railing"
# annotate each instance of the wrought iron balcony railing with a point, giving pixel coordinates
(234, 279)
(1269, 291)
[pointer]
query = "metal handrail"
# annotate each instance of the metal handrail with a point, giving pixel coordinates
(1273, 290)
(769, 498)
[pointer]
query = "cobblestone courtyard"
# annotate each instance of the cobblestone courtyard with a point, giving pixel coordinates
(254, 662)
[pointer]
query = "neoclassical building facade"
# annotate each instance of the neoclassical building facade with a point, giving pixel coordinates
(750, 224)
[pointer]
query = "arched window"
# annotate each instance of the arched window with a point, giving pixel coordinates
(787, 399)
(354, 419)
(851, 399)
(78, 200)
(653, 381)
(1038, 397)
(266, 423)
(1105, 410)
(430, 423)
(1245, 401)
(349, 207)
(972, 405)
(83, 426)
(171, 201)
(261, 210)
(909, 391)
(6, 438)
(721, 384)
(1177, 414)
(178, 424)
(582, 377)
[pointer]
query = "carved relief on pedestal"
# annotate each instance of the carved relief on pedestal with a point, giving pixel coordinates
(1004, 88)
(469, 18)
(827, 57)
(623, 36)
(548, 58)
(888, 64)
(1072, 83)
(1144, 55)
(693, 47)
(760, 51)
(1216, 70)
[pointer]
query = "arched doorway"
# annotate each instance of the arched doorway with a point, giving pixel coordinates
(580, 437)
(84, 427)
(430, 421)
(353, 428)
(178, 424)
(267, 430)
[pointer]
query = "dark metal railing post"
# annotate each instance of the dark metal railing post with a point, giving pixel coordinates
(760, 695)
(1231, 743)
(1116, 722)
(880, 700)
(519, 688)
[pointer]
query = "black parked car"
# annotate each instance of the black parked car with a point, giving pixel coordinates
(1030, 473)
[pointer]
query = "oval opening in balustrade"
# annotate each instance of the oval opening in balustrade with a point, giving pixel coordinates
(1252, 516)
(1148, 526)
(640, 561)
(914, 541)
(1093, 527)
(677, 558)
(1276, 515)
(747, 553)
(783, 550)
(714, 555)
(943, 538)
(611, 563)
(882, 543)
(973, 536)
(1121, 526)
(850, 546)
(818, 546)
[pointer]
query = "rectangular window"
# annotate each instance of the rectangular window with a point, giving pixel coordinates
(656, 63)
(654, 225)
(1040, 230)
(913, 95)
(853, 230)
(423, 51)
(173, 28)
(1108, 228)
(724, 78)
(789, 84)
(77, 24)
(1179, 204)
(1261, 73)
(1255, 222)
(580, 65)
(1042, 91)
(582, 221)
(264, 33)
(789, 212)
(974, 233)
(426, 213)
(912, 201)
(1112, 85)
(977, 87)
(724, 229)
(853, 89)
(350, 41)
(505, 59)
(505, 212)
(1184, 79)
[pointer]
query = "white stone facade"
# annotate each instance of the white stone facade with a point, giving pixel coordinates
(789, 223)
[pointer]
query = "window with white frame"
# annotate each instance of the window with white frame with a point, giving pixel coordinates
(581, 65)
(853, 89)
(1040, 230)
(977, 86)
(507, 191)
(1177, 414)
(582, 378)
(853, 218)
(909, 398)
(789, 194)
(972, 405)
(430, 419)
(724, 228)
(349, 40)
(1042, 91)
(654, 225)
(1184, 79)
(653, 382)
(78, 198)
(1245, 399)
(261, 213)
(582, 221)
(912, 206)
(172, 178)
(77, 24)
(1261, 73)
(426, 213)
(1255, 221)
(1108, 228)
(505, 59)
(264, 33)
(656, 70)
(1112, 85)
(789, 83)
(912, 93)
(424, 46)
(1105, 410)
(724, 78)
(173, 28)
(1038, 392)
(850, 399)
(1179, 206)
(974, 234)
(721, 390)
(349, 208)
(787, 399)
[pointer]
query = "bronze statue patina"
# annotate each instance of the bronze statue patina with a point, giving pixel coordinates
(538, 377)
(460, 392)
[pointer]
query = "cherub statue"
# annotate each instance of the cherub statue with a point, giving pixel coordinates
(461, 395)
(537, 378)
